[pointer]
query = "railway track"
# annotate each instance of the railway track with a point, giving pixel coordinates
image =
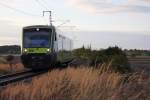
(19, 76)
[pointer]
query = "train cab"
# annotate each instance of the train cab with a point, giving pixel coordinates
(43, 47)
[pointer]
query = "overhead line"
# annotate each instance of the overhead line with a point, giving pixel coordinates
(18, 10)
(46, 3)
(41, 4)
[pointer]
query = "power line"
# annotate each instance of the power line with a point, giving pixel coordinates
(18, 10)
(46, 3)
(41, 4)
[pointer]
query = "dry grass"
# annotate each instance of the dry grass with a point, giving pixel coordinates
(6, 68)
(2, 60)
(80, 84)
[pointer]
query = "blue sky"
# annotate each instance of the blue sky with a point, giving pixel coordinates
(102, 23)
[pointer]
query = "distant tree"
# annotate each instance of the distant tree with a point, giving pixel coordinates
(12, 49)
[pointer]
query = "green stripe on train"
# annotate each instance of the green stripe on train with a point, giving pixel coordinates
(36, 50)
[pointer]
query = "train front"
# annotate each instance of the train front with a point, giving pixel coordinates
(37, 47)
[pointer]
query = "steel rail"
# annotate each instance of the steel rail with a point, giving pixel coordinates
(14, 74)
(16, 77)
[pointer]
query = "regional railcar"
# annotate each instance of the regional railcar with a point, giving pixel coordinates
(43, 47)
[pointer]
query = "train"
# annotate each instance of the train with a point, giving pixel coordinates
(43, 46)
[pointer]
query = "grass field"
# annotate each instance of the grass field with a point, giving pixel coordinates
(81, 84)
(140, 64)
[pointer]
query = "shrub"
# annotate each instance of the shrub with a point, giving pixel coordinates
(119, 61)
(82, 53)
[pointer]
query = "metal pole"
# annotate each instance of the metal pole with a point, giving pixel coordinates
(50, 16)
(62, 48)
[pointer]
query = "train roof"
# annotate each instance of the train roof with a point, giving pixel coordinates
(39, 26)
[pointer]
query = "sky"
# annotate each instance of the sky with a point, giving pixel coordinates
(99, 23)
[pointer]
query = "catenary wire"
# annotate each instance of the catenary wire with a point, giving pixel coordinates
(41, 4)
(18, 10)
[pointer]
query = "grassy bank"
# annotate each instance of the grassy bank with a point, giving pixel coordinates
(81, 84)
(6, 68)
(2, 60)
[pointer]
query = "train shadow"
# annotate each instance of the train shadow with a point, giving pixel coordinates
(62, 65)
(58, 65)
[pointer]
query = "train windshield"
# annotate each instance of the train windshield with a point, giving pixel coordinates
(37, 39)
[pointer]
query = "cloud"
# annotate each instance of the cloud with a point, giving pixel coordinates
(82, 4)
(111, 6)
(9, 33)
(7, 40)
(147, 0)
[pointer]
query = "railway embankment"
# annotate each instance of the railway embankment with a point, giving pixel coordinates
(10, 67)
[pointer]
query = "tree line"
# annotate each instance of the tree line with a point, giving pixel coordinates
(10, 49)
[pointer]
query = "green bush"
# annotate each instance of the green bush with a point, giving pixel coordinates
(82, 53)
(120, 64)
(118, 59)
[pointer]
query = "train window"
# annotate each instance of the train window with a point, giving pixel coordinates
(36, 39)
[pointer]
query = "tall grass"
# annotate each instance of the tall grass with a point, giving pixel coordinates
(2, 60)
(80, 84)
(6, 68)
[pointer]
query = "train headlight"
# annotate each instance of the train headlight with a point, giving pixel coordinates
(48, 50)
(25, 50)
